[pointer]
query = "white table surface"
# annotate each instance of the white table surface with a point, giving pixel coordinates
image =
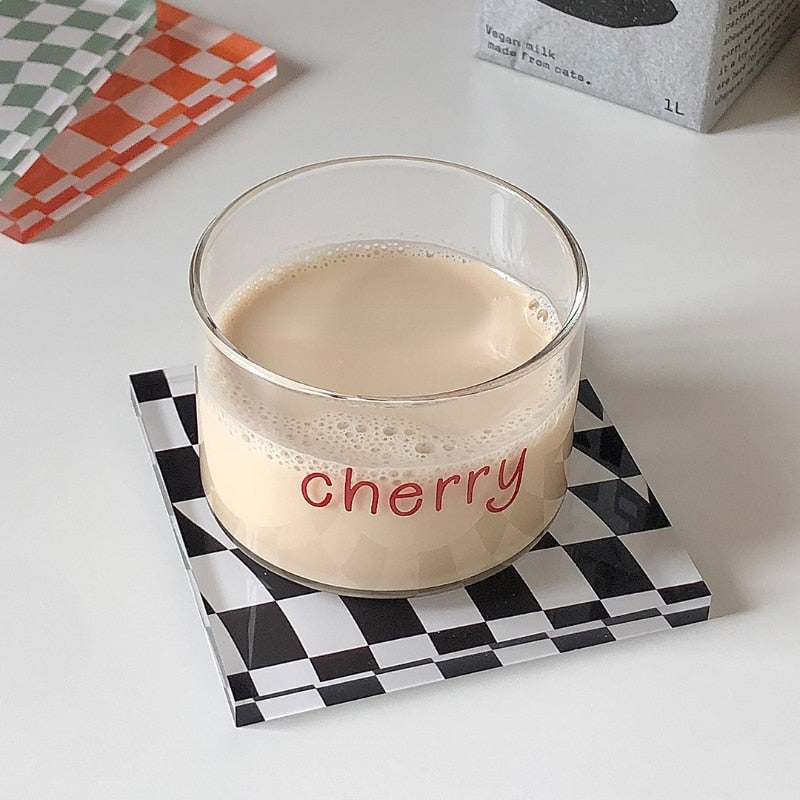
(107, 686)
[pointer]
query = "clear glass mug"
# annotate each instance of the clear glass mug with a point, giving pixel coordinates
(372, 521)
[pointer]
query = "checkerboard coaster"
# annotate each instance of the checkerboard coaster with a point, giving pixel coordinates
(55, 55)
(185, 73)
(608, 568)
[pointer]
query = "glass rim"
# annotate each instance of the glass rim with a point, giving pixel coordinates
(229, 350)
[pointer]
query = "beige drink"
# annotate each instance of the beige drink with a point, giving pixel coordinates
(397, 496)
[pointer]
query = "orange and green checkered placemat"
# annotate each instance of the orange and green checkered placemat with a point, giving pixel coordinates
(53, 55)
(184, 73)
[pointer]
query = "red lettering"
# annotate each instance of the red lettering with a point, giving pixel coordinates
(471, 478)
(406, 491)
(304, 489)
(441, 485)
(516, 479)
(407, 499)
(351, 488)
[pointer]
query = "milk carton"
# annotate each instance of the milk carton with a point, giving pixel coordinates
(685, 61)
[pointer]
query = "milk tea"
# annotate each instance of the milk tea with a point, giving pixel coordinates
(385, 489)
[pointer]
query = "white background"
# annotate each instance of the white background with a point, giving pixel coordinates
(107, 687)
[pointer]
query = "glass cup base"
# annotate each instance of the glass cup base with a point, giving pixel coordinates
(392, 594)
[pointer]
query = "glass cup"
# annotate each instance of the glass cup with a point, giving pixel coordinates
(278, 462)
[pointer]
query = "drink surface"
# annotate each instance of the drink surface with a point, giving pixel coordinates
(384, 498)
(387, 320)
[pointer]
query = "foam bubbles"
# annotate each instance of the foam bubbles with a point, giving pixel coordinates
(386, 446)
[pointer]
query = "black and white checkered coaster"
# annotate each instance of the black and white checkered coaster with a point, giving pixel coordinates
(609, 568)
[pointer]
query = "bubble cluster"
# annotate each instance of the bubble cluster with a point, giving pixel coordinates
(385, 446)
